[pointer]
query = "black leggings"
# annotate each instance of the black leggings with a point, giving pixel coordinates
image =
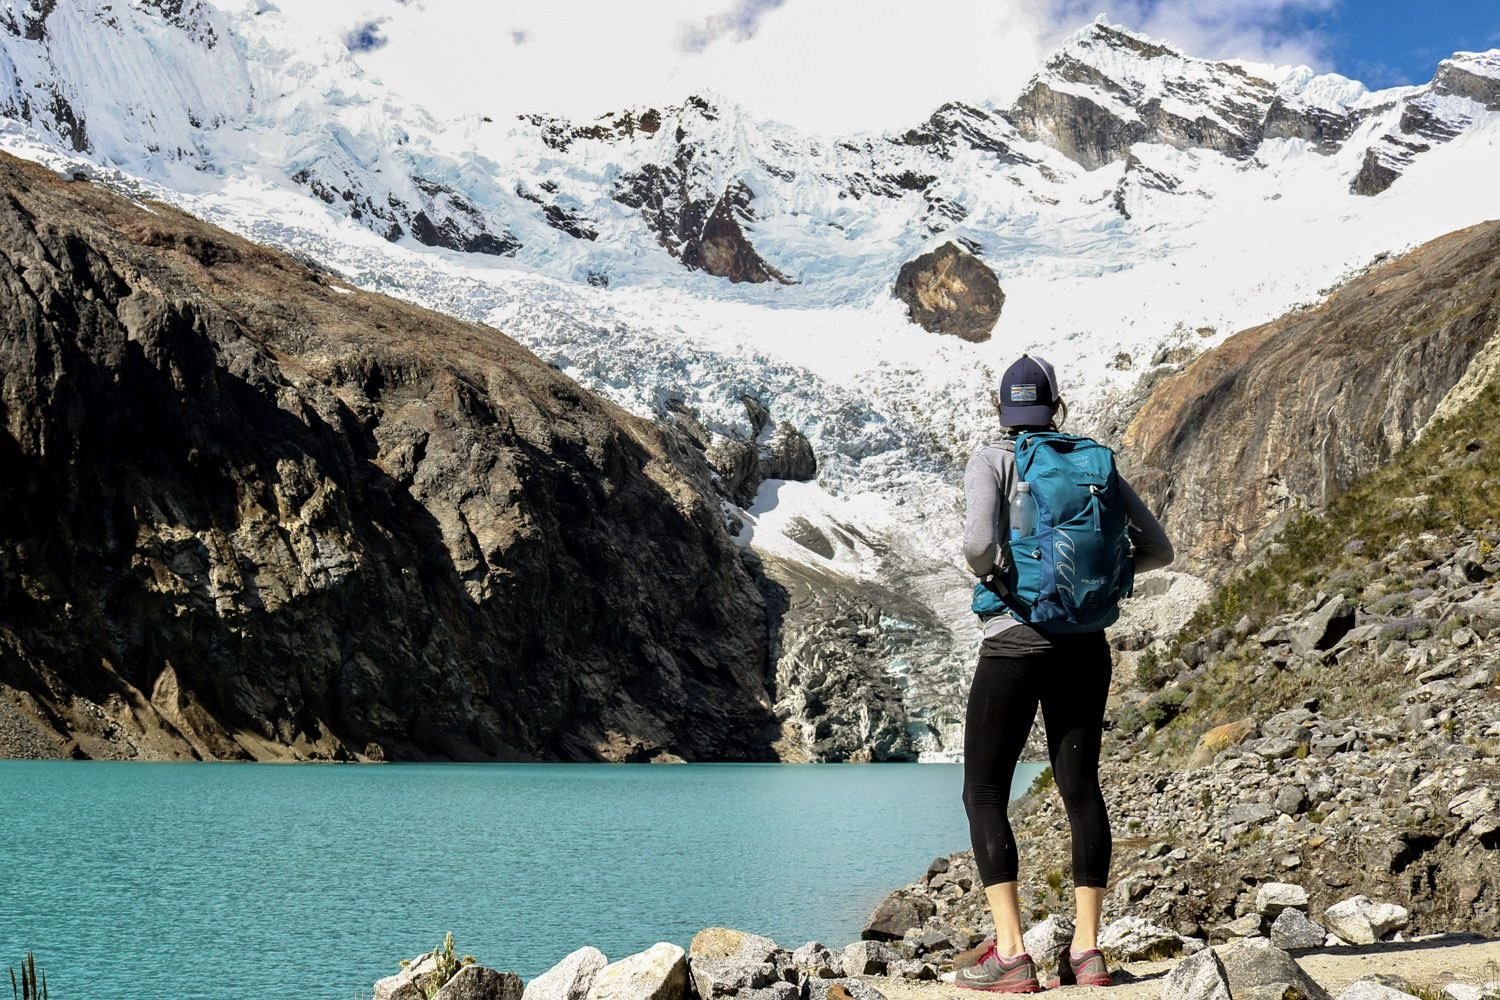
(1069, 677)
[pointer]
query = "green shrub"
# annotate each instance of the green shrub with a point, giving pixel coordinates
(1152, 670)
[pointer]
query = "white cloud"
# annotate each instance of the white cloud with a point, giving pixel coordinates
(830, 65)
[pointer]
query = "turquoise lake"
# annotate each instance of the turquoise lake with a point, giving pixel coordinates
(217, 881)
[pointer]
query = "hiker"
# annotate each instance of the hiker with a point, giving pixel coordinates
(1022, 665)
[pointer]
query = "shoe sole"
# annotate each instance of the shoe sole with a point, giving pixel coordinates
(1053, 984)
(1020, 986)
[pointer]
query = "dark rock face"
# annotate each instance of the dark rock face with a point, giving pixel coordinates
(1288, 414)
(737, 464)
(1325, 129)
(1460, 81)
(788, 455)
(956, 124)
(1429, 118)
(705, 235)
(192, 17)
(249, 514)
(951, 291)
(1079, 128)
(436, 215)
(1375, 174)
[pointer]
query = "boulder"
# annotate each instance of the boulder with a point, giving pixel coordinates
(1371, 989)
(868, 958)
(1293, 930)
(1291, 800)
(398, 987)
(1481, 613)
(1249, 925)
(935, 939)
(727, 943)
(842, 989)
(569, 979)
(897, 914)
(415, 982)
(1273, 897)
(1466, 991)
(951, 291)
(477, 982)
(1047, 937)
(788, 455)
(1362, 920)
(1197, 977)
(914, 969)
(1131, 938)
(1218, 739)
(779, 990)
(1474, 803)
(1277, 747)
(1257, 968)
(723, 962)
(658, 973)
(1324, 627)
(1249, 813)
(817, 962)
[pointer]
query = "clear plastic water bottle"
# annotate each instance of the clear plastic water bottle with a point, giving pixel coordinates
(1022, 512)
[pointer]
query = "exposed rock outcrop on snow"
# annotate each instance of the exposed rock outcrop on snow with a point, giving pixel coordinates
(949, 290)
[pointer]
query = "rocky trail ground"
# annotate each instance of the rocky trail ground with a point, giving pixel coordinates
(1429, 964)
(725, 964)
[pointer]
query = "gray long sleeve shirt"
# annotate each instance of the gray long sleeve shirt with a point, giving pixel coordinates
(989, 480)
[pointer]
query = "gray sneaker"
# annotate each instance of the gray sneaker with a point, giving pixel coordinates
(999, 975)
(1085, 968)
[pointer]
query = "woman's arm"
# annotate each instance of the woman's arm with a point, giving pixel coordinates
(981, 519)
(1153, 549)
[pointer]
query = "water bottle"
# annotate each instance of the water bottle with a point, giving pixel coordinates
(1022, 512)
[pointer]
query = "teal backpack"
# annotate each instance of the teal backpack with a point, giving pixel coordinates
(1070, 575)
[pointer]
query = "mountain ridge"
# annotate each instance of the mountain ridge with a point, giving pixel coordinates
(224, 106)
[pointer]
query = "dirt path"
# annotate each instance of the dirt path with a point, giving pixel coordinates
(1433, 962)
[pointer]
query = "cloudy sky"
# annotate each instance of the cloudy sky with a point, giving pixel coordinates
(844, 65)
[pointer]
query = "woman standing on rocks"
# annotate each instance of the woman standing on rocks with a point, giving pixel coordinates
(1020, 667)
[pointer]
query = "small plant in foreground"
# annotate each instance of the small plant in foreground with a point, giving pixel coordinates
(448, 964)
(30, 987)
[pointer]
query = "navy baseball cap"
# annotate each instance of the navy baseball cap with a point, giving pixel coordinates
(1028, 393)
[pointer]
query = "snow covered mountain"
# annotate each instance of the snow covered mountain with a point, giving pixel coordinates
(1138, 204)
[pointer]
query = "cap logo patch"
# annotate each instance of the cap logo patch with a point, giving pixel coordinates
(1023, 394)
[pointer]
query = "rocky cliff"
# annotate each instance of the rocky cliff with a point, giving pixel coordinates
(1286, 415)
(250, 511)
